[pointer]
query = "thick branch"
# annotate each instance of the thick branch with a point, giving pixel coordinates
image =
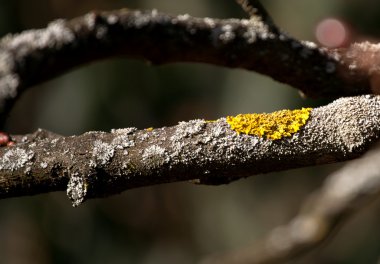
(98, 164)
(37, 55)
(344, 192)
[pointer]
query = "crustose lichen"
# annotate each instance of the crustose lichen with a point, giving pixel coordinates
(272, 126)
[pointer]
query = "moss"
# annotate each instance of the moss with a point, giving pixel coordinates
(272, 126)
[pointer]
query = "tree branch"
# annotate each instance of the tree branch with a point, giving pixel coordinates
(256, 10)
(344, 192)
(98, 164)
(34, 56)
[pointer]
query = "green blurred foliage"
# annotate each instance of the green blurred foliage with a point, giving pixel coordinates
(175, 223)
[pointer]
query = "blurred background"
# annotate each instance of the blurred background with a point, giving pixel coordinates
(181, 222)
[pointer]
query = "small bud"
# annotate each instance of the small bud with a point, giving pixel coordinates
(10, 143)
(4, 139)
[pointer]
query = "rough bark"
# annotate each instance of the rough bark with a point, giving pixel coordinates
(98, 164)
(343, 193)
(34, 56)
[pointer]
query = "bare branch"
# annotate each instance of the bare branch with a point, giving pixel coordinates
(34, 56)
(98, 164)
(344, 192)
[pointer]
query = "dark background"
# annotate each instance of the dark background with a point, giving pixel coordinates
(174, 223)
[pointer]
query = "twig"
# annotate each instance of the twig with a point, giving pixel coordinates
(344, 192)
(98, 164)
(34, 56)
(255, 9)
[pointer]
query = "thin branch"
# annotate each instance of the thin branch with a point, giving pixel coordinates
(34, 56)
(255, 9)
(98, 164)
(344, 192)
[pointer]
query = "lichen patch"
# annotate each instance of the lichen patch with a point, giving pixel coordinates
(103, 152)
(15, 158)
(155, 156)
(126, 131)
(272, 126)
(122, 142)
(188, 129)
(76, 189)
(227, 34)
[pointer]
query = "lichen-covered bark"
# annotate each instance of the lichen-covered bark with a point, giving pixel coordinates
(343, 193)
(34, 56)
(98, 164)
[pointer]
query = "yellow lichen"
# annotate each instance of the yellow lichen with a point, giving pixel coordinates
(273, 126)
(149, 129)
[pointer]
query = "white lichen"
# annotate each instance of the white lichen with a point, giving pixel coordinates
(126, 131)
(154, 12)
(188, 129)
(15, 158)
(112, 19)
(353, 123)
(102, 152)
(122, 142)
(335, 56)
(309, 44)
(250, 35)
(155, 156)
(141, 20)
(7, 62)
(59, 31)
(283, 37)
(367, 46)
(55, 35)
(76, 189)
(257, 25)
(365, 56)
(92, 163)
(227, 34)
(28, 170)
(90, 20)
(183, 17)
(209, 21)
(143, 136)
(10, 84)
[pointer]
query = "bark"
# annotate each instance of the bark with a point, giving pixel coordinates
(343, 193)
(98, 164)
(34, 56)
